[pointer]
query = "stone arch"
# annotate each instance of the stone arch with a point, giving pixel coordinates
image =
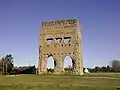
(54, 61)
(67, 61)
(73, 61)
(50, 62)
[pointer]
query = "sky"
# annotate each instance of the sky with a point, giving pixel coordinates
(20, 22)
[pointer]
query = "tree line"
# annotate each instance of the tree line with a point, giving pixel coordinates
(113, 67)
(7, 67)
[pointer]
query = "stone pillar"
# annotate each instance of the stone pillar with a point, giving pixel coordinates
(58, 68)
(42, 64)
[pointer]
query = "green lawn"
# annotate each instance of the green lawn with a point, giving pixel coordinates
(95, 81)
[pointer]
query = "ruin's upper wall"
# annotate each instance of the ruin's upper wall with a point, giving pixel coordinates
(60, 22)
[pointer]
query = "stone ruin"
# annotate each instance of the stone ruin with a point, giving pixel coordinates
(60, 38)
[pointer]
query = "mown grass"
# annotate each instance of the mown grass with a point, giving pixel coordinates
(61, 82)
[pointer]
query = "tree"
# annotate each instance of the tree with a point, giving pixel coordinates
(109, 69)
(116, 65)
(97, 69)
(7, 63)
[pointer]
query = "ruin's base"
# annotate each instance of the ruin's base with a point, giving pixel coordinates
(61, 73)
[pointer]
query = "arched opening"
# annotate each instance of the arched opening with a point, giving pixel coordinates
(50, 64)
(68, 64)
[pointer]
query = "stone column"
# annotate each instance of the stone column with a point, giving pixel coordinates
(43, 64)
(58, 67)
(74, 63)
(78, 68)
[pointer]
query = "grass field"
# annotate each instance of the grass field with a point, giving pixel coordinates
(95, 81)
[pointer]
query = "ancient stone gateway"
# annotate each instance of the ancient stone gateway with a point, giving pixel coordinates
(60, 38)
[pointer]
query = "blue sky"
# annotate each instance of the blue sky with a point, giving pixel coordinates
(20, 22)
